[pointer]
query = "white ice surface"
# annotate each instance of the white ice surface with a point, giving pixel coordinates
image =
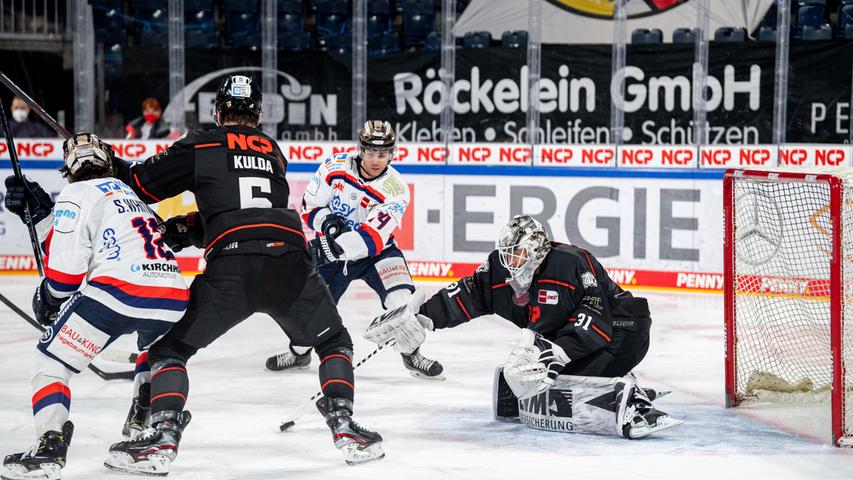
(431, 429)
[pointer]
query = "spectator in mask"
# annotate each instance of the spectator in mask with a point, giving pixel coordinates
(149, 125)
(21, 126)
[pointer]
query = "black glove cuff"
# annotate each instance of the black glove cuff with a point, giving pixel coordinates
(48, 298)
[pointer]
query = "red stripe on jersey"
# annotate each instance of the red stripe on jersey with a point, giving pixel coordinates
(601, 333)
(50, 389)
(254, 225)
(355, 183)
(374, 235)
(463, 308)
(556, 283)
(500, 285)
(62, 277)
(144, 291)
(136, 179)
(47, 240)
(589, 262)
(207, 145)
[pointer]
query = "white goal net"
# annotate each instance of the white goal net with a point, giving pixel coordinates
(789, 271)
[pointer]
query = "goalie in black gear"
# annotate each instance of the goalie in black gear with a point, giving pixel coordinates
(583, 334)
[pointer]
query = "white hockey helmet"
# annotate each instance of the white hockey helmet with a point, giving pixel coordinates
(522, 247)
(85, 151)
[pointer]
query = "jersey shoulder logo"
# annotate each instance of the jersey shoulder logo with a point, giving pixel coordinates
(588, 280)
(393, 186)
(548, 297)
(65, 216)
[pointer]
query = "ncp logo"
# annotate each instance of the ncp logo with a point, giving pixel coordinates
(604, 8)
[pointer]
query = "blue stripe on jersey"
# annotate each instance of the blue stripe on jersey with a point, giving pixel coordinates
(141, 302)
(63, 287)
(371, 245)
(52, 399)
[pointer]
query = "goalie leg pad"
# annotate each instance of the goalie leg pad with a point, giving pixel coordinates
(504, 402)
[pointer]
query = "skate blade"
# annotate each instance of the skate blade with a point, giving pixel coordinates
(417, 374)
(662, 424)
(46, 471)
(356, 456)
(306, 367)
(156, 465)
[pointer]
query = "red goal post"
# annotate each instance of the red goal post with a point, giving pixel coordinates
(788, 270)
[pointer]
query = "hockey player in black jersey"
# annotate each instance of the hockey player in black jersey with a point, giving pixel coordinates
(256, 262)
(582, 335)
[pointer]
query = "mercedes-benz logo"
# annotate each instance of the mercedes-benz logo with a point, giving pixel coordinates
(759, 227)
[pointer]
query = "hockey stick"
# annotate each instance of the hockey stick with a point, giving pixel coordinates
(109, 355)
(56, 126)
(16, 168)
(297, 412)
(113, 356)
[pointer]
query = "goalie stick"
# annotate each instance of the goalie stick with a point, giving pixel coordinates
(297, 412)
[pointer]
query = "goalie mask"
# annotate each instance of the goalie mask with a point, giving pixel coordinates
(522, 246)
(86, 156)
(377, 136)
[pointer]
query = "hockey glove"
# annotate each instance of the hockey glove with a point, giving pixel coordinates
(26, 192)
(401, 325)
(334, 225)
(325, 250)
(533, 365)
(45, 306)
(183, 231)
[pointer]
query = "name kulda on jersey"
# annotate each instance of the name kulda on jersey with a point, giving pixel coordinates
(251, 162)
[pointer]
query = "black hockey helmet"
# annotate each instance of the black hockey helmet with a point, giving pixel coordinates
(238, 93)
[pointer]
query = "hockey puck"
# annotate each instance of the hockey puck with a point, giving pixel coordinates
(284, 426)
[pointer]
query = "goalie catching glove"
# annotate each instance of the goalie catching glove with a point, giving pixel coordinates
(401, 324)
(183, 231)
(533, 364)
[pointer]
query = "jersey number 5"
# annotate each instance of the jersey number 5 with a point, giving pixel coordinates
(247, 192)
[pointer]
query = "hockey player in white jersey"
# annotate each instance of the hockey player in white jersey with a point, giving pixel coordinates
(354, 203)
(107, 273)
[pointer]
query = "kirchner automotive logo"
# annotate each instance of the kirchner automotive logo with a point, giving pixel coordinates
(604, 8)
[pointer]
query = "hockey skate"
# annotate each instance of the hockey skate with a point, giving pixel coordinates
(44, 461)
(420, 366)
(136, 416)
(358, 444)
(289, 360)
(154, 449)
(643, 419)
